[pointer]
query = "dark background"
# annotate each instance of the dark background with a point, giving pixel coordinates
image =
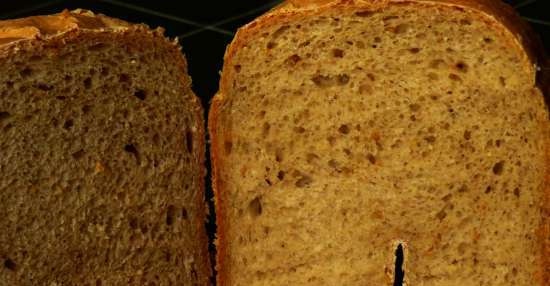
(205, 28)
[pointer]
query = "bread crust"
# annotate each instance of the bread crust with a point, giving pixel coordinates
(495, 13)
(38, 32)
(217, 185)
(52, 26)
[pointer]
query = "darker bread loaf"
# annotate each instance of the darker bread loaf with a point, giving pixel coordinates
(343, 129)
(101, 156)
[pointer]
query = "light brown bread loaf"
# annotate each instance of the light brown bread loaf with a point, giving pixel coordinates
(343, 129)
(101, 156)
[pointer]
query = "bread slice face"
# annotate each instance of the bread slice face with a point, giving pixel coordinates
(346, 129)
(102, 150)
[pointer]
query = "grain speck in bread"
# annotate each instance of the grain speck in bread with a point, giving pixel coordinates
(101, 156)
(343, 129)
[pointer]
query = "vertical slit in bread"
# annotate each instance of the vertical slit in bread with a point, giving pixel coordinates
(399, 271)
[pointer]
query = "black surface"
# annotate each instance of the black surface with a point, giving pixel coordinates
(205, 28)
(537, 13)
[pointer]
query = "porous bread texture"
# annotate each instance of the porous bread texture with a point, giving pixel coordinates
(101, 165)
(342, 133)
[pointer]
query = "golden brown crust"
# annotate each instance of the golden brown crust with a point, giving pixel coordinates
(221, 224)
(45, 27)
(494, 12)
(52, 31)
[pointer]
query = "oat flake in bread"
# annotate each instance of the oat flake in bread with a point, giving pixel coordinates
(101, 155)
(345, 128)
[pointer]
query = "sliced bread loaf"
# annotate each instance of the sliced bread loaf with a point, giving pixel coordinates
(101, 156)
(346, 131)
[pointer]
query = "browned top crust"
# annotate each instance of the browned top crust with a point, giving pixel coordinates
(44, 27)
(494, 12)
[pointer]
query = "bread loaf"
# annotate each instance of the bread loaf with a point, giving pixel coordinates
(101, 156)
(346, 131)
